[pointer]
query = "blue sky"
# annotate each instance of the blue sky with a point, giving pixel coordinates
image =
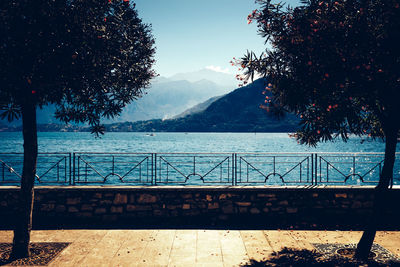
(193, 34)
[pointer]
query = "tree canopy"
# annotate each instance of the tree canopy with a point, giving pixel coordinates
(88, 57)
(334, 63)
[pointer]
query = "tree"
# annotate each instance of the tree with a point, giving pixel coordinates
(336, 64)
(89, 58)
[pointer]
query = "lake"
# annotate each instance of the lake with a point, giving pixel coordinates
(181, 142)
(193, 159)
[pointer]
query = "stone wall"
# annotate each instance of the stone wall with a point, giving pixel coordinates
(208, 207)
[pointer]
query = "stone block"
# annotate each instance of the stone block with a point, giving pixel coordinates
(356, 205)
(224, 196)
(47, 207)
(243, 210)
(116, 209)
(158, 213)
(192, 212)
(147, 198)
(105, 202)
(72, 209)
(266, 195)
(291, 210)
(86, 207)
(340, 195)
(60, 208)
(73, 201)
(100, 211)
(255, 211)
(213, 206)
(187, 196)
(227, 209)
(120, 199)
(243, 204)
(283, 203)
(368, 204)
(130, 208)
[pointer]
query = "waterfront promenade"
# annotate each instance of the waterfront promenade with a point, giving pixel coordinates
(188, 247)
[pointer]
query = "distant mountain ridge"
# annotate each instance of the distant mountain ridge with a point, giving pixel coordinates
(165, 98)
(220, 78)
(238, 111)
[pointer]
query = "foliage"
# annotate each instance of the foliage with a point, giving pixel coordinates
(88, 57)
(334, 63)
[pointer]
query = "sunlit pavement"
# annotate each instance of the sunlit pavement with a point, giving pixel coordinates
(187, 247)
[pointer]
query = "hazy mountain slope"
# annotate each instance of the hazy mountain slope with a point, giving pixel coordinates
(164, 99)
(238, 111)
(198, 108)
(167, 99)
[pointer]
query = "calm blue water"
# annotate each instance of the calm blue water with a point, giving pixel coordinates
(188, 168)
(181, 142)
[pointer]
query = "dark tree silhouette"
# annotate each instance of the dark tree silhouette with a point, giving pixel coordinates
(336, 64)
(89, 58)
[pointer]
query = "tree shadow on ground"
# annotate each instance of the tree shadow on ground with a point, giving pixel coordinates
(293, 257)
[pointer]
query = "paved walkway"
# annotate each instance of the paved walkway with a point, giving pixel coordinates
(186, 247)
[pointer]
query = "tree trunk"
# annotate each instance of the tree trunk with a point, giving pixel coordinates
(23, 225)
(365, 243)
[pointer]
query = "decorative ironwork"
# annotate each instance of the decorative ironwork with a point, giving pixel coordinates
(52, 168)
(193, 168)
(112, 168)
(343, 168)
(200, 168)
(267, 168)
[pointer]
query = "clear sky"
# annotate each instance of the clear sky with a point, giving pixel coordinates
(193, 34)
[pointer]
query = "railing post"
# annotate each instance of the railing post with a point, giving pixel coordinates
(312, 168)
(113, 163)
(194, 165)
(69, 165)
(73, 168)
(152, 169)
(233, 169)
(316, 169)
(155, 168)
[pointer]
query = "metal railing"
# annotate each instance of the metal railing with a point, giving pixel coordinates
(200, 168)
(52, 168)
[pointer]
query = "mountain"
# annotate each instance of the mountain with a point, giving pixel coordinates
(220, 78)
(238, 111)
(198, 108)
(164, 99)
